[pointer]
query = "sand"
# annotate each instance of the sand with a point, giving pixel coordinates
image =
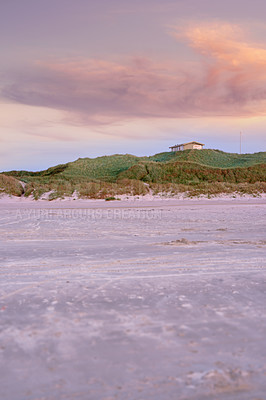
(133, 299)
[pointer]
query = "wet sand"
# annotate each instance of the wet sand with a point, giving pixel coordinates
(133, 300)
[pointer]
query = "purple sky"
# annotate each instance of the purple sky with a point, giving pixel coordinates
(89, 78)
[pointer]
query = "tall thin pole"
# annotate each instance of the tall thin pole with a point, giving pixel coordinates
(240, 142)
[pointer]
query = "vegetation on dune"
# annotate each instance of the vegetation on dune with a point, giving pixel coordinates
(209, 189)
(105, 168)
(10, 185)
(192, 171)
(59, 188)
(108, 168)
(212, 158)
(103, 190)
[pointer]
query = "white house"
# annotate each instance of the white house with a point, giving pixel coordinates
(187, 146)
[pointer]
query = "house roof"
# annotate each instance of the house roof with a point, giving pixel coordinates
(202, 144)
(183, 144)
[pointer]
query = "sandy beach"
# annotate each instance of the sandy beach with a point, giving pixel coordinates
(133, 299)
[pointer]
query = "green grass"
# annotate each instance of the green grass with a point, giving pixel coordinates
(127, 174)
(212, 158)
(193, 173)
(105, 168)
(108, 168)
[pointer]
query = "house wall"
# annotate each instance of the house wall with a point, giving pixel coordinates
(192, 146)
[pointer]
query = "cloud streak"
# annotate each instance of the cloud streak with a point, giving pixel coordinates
(229, 79)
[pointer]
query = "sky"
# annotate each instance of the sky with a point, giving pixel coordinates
(87, 78)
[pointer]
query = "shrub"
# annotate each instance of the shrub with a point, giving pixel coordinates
(111, 198)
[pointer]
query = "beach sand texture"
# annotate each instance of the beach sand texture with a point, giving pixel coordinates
(133, 300)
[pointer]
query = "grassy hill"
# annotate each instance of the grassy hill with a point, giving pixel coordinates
(119, 174)
(102, 168)
(213, 158)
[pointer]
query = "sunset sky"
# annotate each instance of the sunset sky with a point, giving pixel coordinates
(86, 78)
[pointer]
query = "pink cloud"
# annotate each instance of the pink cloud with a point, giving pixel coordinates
(228, 80)
(235, 69)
